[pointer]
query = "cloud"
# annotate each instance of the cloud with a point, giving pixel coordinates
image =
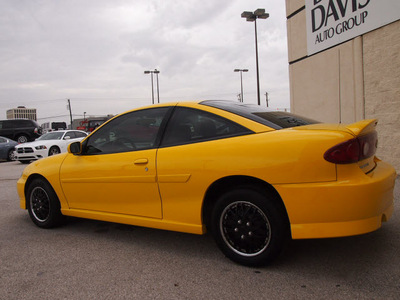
(95, 51)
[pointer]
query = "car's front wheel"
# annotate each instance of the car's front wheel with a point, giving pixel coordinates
(249, 226)
(11, 155)
(54, 150)
(43, 204)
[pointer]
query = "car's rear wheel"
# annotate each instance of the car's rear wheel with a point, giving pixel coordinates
(22, 138)
(54, 150)
(11, 155)
(43, 204)
(249, 227)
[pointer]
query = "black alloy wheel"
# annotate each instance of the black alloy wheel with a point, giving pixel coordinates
(245, 228)
(39, 203)
(43, 204)
(249, 226)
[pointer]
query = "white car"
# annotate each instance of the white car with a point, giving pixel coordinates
(48, 144)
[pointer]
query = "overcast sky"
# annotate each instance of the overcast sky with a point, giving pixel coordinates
(94, 52)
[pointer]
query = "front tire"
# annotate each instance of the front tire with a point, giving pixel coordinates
(54, 150)
(43, 204)
(10, 155)
(249, 226)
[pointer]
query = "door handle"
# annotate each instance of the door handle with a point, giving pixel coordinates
(141, 161)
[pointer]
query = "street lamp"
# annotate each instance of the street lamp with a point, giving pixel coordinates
(241, 81)
(252, 17)
(152, 88)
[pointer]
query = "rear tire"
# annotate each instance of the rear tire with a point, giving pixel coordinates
(43, 204)
(22, 139)
(249, 227)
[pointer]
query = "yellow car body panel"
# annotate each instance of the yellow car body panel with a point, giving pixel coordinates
(121, 183)
(354, 204)
(166, 187)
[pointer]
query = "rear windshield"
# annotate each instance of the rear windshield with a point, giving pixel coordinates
(273, 119)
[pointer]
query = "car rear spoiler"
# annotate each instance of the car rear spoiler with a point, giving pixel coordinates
(362, 127)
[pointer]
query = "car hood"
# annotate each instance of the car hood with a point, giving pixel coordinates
(38, 143)
(47, 166)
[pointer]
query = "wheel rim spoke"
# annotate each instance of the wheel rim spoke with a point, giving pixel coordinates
(40, 204)
(245, 228)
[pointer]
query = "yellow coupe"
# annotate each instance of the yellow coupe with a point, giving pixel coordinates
(254, 178)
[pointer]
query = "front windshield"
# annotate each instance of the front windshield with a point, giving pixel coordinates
(51, 136)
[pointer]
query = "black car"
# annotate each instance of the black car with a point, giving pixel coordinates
(20, 130)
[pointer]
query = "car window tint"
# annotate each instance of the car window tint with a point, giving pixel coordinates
(189, 125)
(270, 118)
(7, 125)
(71, 135)
(137, 130)
(79, 134)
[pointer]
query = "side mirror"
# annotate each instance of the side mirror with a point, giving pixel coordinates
(75, 148)
(67, 137)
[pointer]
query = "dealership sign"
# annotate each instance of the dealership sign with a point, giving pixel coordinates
(331, 22)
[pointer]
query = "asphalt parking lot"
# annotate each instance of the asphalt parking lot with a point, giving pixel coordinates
(97, 260)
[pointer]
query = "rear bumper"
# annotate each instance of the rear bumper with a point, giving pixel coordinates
(356, 203)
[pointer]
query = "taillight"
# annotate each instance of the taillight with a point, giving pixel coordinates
(353, 150)
(35, 130)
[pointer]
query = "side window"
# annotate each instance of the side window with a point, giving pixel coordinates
(23, 123)
(137, 130)
(79, 134)
(8, 124)
(71, 135)
(2, 140)
(189, 125)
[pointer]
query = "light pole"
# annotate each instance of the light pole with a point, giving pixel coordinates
(152, 86)
(158, 87)
(70, 111)
(250, 17)
(241, 81)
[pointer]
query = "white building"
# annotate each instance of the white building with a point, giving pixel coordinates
(22, 113)
(344, 64)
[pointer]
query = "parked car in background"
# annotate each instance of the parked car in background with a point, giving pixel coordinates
(252, 177)
(7, 147)
(48, 144)
(20, 130)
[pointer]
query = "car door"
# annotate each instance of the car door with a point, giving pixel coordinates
(116, 172)
(3, 147)
(198, 147)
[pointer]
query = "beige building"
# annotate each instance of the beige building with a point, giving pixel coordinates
(22, 113)
(356, 76)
